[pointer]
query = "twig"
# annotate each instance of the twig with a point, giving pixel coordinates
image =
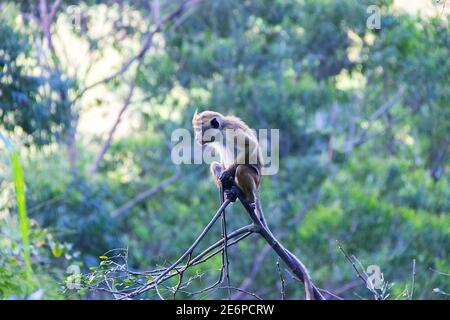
(146, 44)
(288, 257)
(254, 295)
(148, 40)
(225, 262)
(160, 275)
(107, 142)
(257, 262)
(441, 273)
(145, 195)
(282, 282)
(331, 294)
(183, 256)
(413, 279)
(363, 278)
(362, 137)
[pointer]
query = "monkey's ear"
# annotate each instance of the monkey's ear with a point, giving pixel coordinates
(195, 113)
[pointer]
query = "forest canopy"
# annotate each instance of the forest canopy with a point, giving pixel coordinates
(91, 91)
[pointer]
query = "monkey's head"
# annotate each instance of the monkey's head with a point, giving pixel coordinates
(210, 121)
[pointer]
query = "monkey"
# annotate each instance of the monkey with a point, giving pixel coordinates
(242, 160)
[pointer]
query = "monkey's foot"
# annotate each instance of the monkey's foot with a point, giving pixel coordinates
(230, 195)
(252, 205)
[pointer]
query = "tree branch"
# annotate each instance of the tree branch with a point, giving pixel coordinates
(295, 264)
(362, 137)
(107, 142)
(159, 276)
(148, 39)
(146, 44)
(145, 194)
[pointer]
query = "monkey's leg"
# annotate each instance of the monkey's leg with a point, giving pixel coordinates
(247, 180)
(258, 208)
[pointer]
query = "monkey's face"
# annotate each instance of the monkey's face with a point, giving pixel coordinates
(207, 125)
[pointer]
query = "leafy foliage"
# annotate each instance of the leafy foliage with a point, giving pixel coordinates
(364, 141)
(27, 99)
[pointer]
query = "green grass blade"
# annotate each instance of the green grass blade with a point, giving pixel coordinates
(24, 222)
(22, 209)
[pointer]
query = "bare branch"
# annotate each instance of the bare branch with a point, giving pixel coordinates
(54, 8)
(145, 195)
(413, 279)
(439, 272)
(157, 277)
(148, 40)
(146, 44)
(225, 262)
(256, 265)
(359, 274)
(282, 282)
(362, 137)
(254, 295)
(331, 294)
(107, 142)
(288, 257)
(161, 276)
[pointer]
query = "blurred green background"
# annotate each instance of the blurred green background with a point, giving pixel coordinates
(90, 92)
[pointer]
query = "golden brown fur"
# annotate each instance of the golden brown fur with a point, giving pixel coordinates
(247, 174)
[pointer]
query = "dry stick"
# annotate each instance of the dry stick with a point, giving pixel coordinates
(220, 280)
(282, 289)
(188, 251)
(440, 272)
(413, 279)
(225, 262)
(362, 137)
(254, 295)
(331, 294)
(139, 58)
(146, 44)
(254, 270)
(180, 278)
(107, 142)
(145, 194)
(364, 279)
(260, 258)
(243, 233)
(291, 261)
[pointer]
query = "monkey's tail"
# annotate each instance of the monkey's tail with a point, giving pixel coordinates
(309, 290)
(259, 212)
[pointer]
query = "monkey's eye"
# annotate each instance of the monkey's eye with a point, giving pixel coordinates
(214, 123)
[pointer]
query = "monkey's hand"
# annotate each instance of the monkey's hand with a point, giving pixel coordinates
(226, 179)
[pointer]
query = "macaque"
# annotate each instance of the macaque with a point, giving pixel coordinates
(239, 151)
(242, 161)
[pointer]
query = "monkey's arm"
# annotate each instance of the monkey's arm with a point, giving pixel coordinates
(216, 170)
